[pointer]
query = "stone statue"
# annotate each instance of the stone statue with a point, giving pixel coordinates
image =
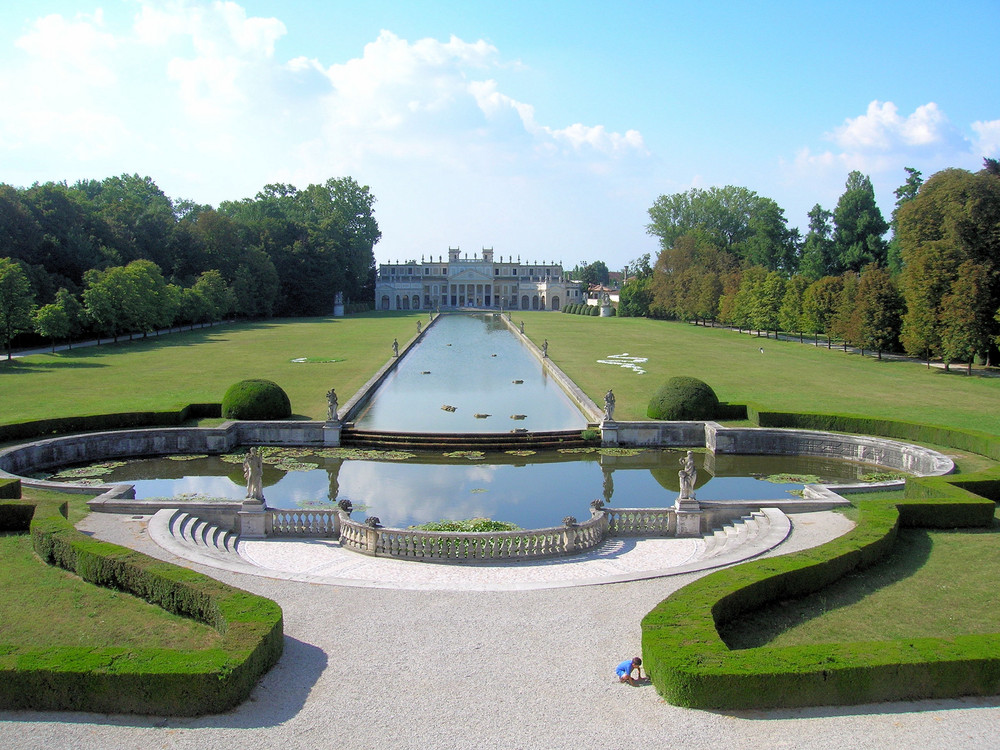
(688, 476)
(605, 299)
(609, 405)
(522, 327)
(418, 327)
(331, 403)
(395, 348)
(545, 348)
(253, 472)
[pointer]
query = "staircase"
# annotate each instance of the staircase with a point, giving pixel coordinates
(751, 529)
(351, 437)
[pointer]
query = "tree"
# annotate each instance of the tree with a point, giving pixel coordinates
(592, 274)
(879, 310)
(817, 252)
(965, 315)
(215, 296)
(858, 226)
(52, 322)
(111, 300)
(790, 316)
(635, 297)
(953, 219)
(846, 323)
(733, 219)
(16, 301)
(152, 307)
(905, 192)
(73, 311)
(766, 303)
(745, 304)
(819, 304)
(638, 268)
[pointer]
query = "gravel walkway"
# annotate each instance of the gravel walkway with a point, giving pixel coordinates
(374, 667)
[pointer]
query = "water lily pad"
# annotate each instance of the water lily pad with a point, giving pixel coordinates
(882, 476)
(295, 466)
(590, 449)
(186, 457)
(620, 451)
(792, 478)
(521, 453)
(364, 454)
(471, 455)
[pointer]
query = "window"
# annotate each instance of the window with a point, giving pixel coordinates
(513, 272)
(427, 272)
(496, 271)
(409, 271)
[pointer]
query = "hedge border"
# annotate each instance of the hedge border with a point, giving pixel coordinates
(691, 665)
(139, 681)
(100, 422)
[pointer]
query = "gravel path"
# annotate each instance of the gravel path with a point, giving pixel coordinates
(370, 667)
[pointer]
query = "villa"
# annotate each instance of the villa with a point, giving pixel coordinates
(476, 282)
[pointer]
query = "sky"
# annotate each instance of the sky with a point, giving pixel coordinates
(544, 130)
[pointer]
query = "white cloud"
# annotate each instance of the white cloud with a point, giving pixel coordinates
(987, 137)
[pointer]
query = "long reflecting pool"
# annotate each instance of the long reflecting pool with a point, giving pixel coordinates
(476, 365)
(531, 491)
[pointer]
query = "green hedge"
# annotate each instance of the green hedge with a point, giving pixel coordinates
(143, 681)
(10, 489)
(101, 422)
(691, 665)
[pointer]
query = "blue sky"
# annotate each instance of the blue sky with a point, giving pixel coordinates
(543, 129)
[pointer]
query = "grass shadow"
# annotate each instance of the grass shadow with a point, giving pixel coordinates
(758, 628)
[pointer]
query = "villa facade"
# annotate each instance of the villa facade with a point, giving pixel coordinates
(476, 282)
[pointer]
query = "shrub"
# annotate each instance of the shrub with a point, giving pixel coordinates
(256, 399)
(614, 312)
(684, 399)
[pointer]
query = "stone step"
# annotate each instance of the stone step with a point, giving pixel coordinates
(207, 538)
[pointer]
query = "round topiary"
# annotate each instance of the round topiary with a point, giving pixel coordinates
(683, 399)
(256, 399)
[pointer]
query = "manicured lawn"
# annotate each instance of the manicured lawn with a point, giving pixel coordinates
(788, 376)
(42, 605)
(198, 367)
(917, 592)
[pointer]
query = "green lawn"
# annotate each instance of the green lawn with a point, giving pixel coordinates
(915, 593)
(788, 376)
(198, 367)
(66, 611)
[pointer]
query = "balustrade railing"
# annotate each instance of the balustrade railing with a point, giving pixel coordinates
(445, 546)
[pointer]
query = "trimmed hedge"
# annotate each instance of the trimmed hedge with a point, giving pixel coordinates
(256, 398)
(10, 489)
(691, 665)
(142, 681)
(683, 398)
(101, 422)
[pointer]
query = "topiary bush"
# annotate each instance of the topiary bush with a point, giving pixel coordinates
(684, 399)
(256, 399)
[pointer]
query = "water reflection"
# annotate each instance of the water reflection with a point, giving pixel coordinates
(469, 362)
(530, 491)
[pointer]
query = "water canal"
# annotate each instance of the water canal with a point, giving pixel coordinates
(476, 365)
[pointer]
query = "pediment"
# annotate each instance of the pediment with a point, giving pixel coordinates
(468, 275)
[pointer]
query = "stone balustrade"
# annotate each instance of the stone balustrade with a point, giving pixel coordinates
(447, 546)
(641, 521)
(315, 523)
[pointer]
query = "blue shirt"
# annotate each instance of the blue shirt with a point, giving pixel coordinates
(624, 668)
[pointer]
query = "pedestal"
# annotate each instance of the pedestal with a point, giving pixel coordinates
(253, 520)
(331, 434)
(609, 433)
(688, 514)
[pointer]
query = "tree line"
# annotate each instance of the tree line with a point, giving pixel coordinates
(118, 256)
(932, 289)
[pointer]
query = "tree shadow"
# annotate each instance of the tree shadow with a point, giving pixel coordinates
(22, 367)
(761, 626)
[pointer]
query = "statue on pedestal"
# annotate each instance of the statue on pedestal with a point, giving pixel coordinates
(253, 472)
(609, 405)
(395, 348)
(688, 475)
(545, 348)
(418, 327)
(522, 327)
(331, 404)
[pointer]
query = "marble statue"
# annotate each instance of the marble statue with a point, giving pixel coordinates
(418, 327)
(395, 348)
(609, 405)
(331, 403)
(253, 472)
(545, 348)
(522, 327)
(688, 476)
